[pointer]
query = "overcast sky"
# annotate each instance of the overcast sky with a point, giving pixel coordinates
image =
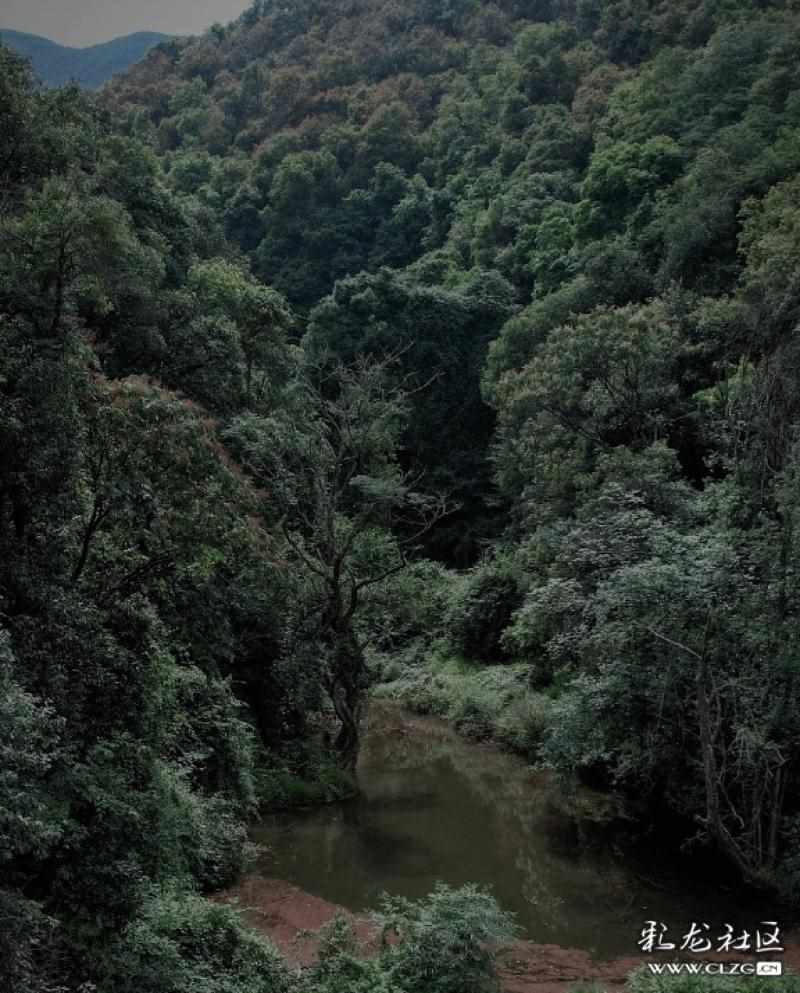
(86, 22)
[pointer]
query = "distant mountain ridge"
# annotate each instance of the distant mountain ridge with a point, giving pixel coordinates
(91, 66)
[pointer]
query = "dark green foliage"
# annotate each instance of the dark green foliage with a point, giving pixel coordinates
(31, 825)
(127, 761)
(601, 197)
(642, 982)
(441, 944)
(181, 942)
(440, 338)
(262, 298)
(339, 492)
(443, 940)
(481, 610)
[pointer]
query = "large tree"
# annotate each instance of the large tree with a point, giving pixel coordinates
(348, 512)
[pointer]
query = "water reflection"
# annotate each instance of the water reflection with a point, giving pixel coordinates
(436, 807)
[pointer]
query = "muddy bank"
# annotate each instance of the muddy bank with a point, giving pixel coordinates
(282, 912)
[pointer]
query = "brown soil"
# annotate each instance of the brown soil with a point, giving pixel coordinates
(283, 913)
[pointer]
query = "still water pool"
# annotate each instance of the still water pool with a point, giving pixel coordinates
(436, 807)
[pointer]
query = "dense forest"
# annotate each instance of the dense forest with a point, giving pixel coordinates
(443, 351)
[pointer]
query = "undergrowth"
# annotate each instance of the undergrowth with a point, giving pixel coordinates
(482, 702)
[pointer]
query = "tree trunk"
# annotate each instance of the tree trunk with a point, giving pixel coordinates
(348, 687)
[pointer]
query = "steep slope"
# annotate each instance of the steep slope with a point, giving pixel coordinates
(404, 129)
(57, 64)
(566, 147)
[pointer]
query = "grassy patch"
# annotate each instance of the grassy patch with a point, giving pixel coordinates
(642, 981)
(483, 702)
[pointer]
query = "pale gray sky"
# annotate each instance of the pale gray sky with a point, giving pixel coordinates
(86, 22)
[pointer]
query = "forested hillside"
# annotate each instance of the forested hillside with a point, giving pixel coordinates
(447, 350)
(92, 66)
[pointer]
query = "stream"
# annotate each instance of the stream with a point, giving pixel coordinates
(436, 807)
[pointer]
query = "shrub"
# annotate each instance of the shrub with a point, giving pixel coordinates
(182, 942)
(203, 839)
(439, 944)
(408, 608)
(472, 717)
(481, 610)
(340, 968)
(445, 940)
(524, 722)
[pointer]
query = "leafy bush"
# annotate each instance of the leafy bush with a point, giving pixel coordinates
(523, 723)
(202, 839)
(443, 940)
(481, 609)
(408, 608)
(442, 943)
(471, 717)
(181, 942)
(341, 968)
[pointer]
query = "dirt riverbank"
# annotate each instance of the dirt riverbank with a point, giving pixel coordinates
(283, 912)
